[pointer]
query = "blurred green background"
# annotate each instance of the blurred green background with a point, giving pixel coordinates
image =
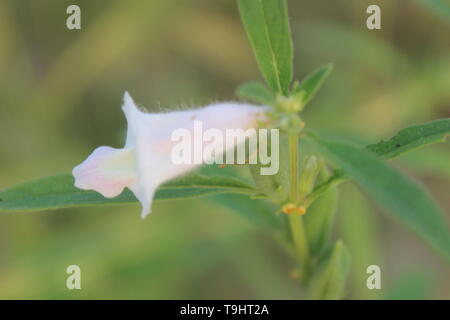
(60, 97)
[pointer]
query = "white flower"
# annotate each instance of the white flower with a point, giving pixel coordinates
(145, 161)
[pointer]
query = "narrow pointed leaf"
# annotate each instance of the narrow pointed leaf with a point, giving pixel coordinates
(58, 191)
(319, 220)
(257, 92)
(337, 177)
(408, 139)
(267, 25)
(329, 279)
(402, 197)
(312, 83)
(412, 138)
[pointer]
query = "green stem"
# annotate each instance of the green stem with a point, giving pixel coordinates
(296, 221)
(293, 163)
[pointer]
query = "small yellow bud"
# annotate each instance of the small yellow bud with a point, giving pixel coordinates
(300, 210)
(288, 208)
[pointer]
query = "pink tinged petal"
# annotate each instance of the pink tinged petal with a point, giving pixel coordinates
(107, 170)
(145, 162)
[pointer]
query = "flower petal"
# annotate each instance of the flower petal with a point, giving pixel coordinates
(152, 140)
(146, 161)
(107, 170)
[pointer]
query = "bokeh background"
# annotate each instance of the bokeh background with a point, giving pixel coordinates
(60, 97)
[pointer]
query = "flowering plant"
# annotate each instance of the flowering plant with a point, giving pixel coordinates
(302, 193)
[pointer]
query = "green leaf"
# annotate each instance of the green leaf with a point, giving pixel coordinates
(58, 191)
(308, 88)
(267, 25)
(401, 196)
(412, 138)
(405, 140)
(256, 91)
(274, 187)
(358, 227)
(257, 211)
(329, 279)
(319, 220)
(337, 177)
